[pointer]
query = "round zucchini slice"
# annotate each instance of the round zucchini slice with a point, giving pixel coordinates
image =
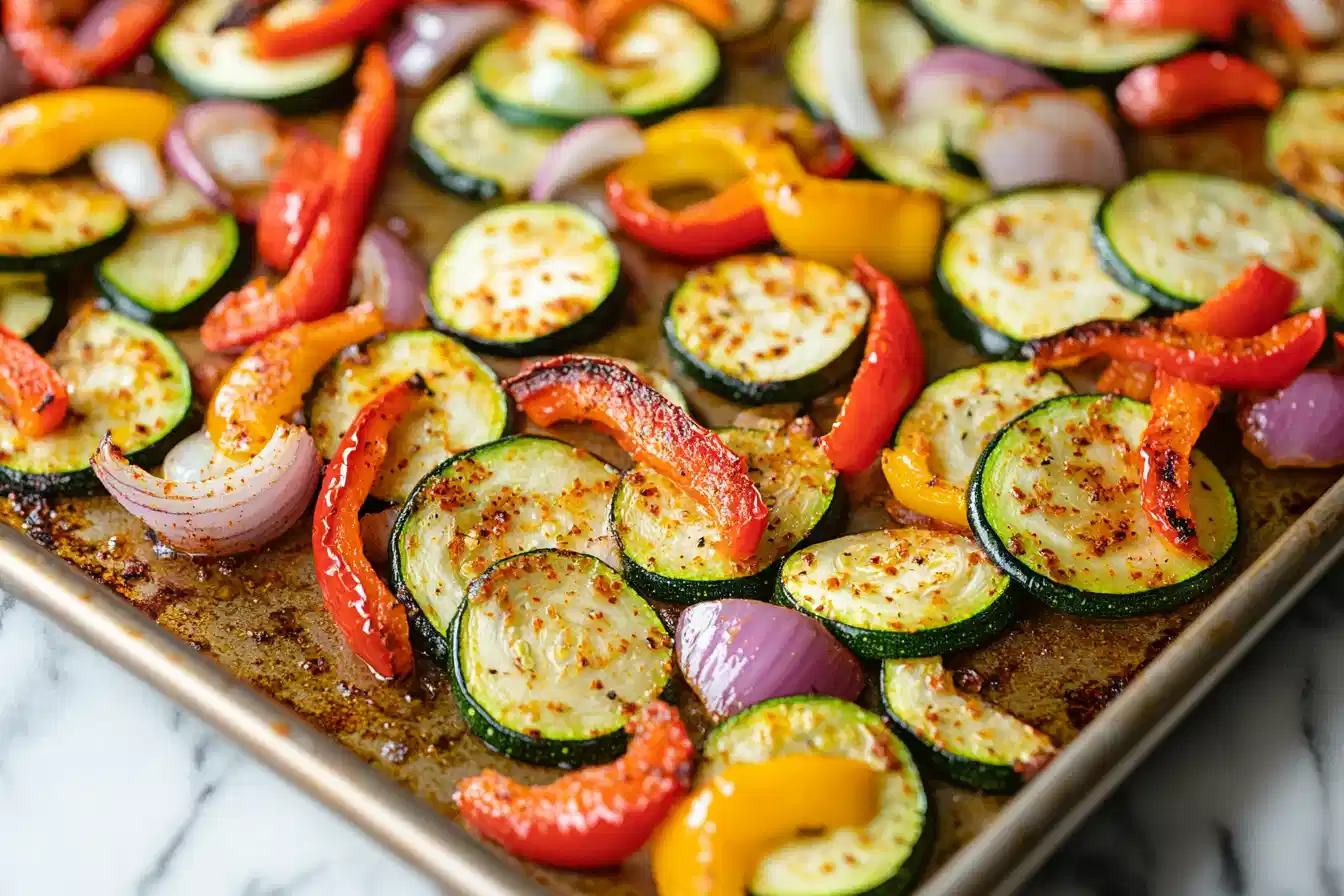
(1304, 147)
(224, 63)
(660, 62)
(465, 406)
(972, 742)
(669, 543)
(1062, 36)
(170, 279)
(884, 857)
(518, 494)
(759, 329)
(461, 146)
(554, 653)
(1021, 267)
(123, 378)
(28, 310)
(531, 278)
(49, 225)
(899, 592)
(1178, 237)
(1055, 501)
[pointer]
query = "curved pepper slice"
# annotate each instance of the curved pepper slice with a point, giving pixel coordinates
(652, 430)
(1269, 361)
(594, 818)
(888, 380)
(1181, 410)
(373, 621)
(44, 133)
(1217, 19)
(298, 195)
(268, 382)
(1193, 86)
(913, 482)
(51, 55)
(712, 842)
(31, 390)
(338, 22)
(318, 284)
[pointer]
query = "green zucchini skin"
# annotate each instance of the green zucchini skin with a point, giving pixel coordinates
(430, 167)
(44, 337)
(333, 95)
(962, 324)
(84, 256)
(1118, 270)
(233, 278)
(523, 117)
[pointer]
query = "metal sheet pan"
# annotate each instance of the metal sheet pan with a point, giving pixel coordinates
(245, 642)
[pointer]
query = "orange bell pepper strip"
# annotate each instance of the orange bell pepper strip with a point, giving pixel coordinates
(338, 22)
(372, 620)
(711, 843)
(268, 382)
(53, 57)
(652, 430)
(43, 133)
(888, 380)
(318, 284)
(297, 196)
(1197, 84)
(31, 390)
(1181, 411)
(594, 818)
(602, 17)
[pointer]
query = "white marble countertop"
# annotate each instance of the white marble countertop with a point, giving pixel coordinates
(107, 788)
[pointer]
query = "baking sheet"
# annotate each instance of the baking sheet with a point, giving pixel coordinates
(259, 618)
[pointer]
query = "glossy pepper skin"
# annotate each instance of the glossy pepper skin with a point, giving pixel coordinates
(372, 620)
(318, 283)
(32, 392)
(913, 483)
(1193, 86)
(338, 22)
(594, 818)
(268, 382)
(50, 54)
(732, 220)
(298, 195)
(712, 842)
(887, 382)
(1269, 361)
(44, 133)
(1181, 411)
(652, 430)
(1217, 19)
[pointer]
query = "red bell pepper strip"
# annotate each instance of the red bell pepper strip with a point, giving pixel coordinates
(1195, 85)
(652, 430)
(50, 54)
(1181, 411)
(31, 390)
(888, 381)
(298, 195)
(1217, 19)
(338, 22)
(318, 284)
(594, 818)
(371, 619)
(1269, 361)
(1249, 305)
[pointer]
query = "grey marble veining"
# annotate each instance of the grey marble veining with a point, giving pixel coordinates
(107, 788)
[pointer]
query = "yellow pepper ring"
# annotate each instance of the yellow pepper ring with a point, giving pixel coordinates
(44, 133)
(918, 488)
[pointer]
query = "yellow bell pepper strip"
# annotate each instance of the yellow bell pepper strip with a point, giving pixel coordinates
(830, 221)
(268, 382)
(914, 484)
(44, 133)
(711, 843)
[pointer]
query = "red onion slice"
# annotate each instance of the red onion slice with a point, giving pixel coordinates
(227, 514)
(583, 150)
(391, 278)
(949, 76)
(195, 459)
(841, 60)
(1044, 138)
(222, 146)
(436, 36)
(375, 530)
(14, 78)
(132, 169)
(1301, 425)
(736, 653)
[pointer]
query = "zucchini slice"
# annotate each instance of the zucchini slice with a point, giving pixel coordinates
(759, 329)
(1177, 237)
(884, 857)
(170, 279)
(517, 494)
(28, 310)
(669, 544)
(461, 146)
(920, 155)
(1020, 267)
(530, 278)
(1304, 147)
(972, 742)
(465, 406)
(899, 592)
(1061, 36)
(1055, 502)
(48, 225)
(661, 61)
(122, 377)
(554, 653)
(955, 416)
(224, 63)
